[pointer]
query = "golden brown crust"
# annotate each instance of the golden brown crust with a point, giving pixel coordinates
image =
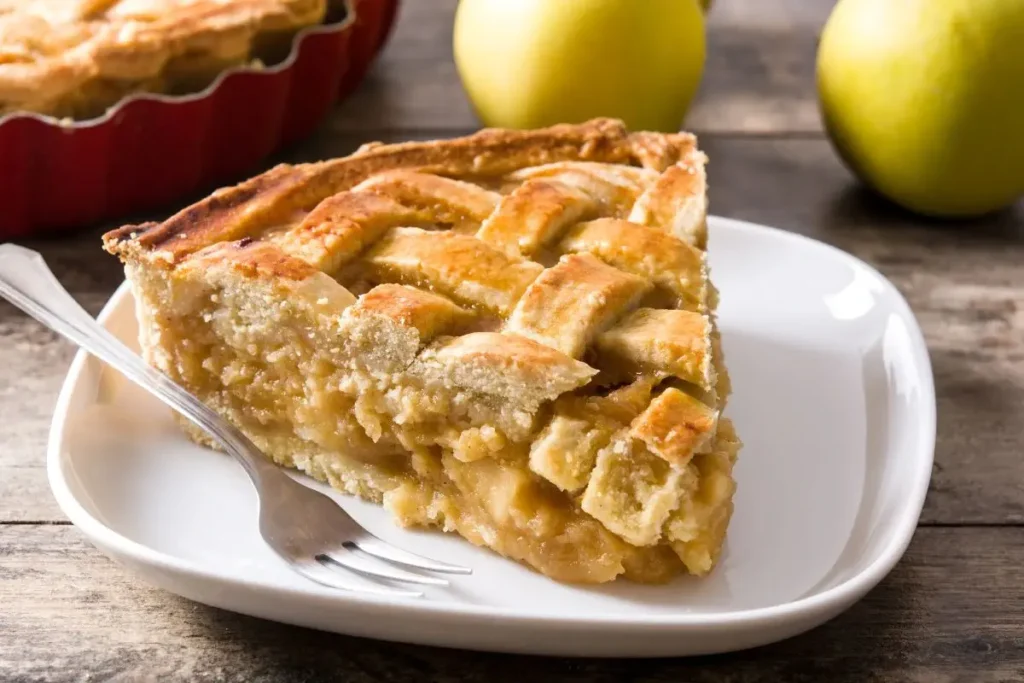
(615, 188)
(427, 313)
(566, 450)
(506, 366)
(342, 226)
(451, 203)
(675, 426)
(571, 302)
(534, 214)
(62, 58)
(227, 214)
(352, 218)
(677, 201)
(670, 263)
(266, 199)
(484, 307)
(459, 266)
(253, 260)
(650, 340)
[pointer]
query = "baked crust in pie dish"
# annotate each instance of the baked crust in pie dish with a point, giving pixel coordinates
(75, 58)
(509, 335)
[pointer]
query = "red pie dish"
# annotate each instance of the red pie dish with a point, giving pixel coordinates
(61, 167)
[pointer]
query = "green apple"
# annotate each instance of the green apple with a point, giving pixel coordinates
(924, 100)
(532, 63)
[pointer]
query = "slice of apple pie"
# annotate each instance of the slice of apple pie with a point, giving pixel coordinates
(508, 335)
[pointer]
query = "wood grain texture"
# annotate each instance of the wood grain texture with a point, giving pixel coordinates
(947, 613)
(33, 361)
(758, 77)
(952, 611)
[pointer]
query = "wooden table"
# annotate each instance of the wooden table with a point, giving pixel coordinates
(953, 610)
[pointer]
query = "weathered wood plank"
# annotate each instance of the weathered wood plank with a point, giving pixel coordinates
(964, 282)
(759, 74)
(33, 362)
(951, 611)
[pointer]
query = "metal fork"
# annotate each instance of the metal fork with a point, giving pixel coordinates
(306, 528)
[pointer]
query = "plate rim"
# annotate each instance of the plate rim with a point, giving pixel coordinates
(840, 595)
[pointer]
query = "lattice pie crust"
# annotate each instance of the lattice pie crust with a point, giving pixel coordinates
(75, 58)
(508, 335)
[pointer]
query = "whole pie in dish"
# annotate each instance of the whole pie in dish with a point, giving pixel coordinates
(75, 58)
(509, 335)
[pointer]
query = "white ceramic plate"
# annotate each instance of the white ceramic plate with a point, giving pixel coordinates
(833, 399)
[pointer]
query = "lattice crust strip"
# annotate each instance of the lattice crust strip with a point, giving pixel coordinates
(541, 296)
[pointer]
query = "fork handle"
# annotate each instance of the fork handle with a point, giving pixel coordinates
(27, 282)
